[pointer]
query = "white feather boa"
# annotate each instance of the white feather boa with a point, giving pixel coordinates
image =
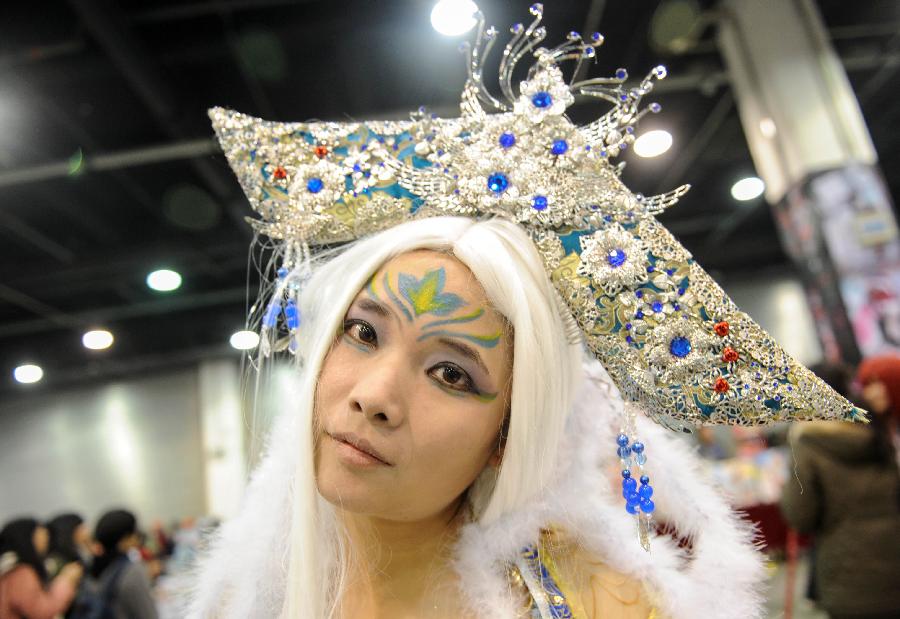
(244, 574)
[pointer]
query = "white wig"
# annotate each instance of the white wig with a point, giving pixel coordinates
(284, 553)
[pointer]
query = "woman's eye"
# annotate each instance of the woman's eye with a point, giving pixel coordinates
(453, 376)
(361, 331)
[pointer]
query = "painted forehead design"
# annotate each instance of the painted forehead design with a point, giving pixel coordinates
(416, 296)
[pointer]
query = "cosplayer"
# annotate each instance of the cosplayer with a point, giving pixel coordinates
(481, 362)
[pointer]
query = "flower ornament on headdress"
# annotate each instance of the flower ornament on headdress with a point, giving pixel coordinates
(667, 334)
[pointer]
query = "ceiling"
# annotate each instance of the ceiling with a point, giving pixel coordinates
(108, 171)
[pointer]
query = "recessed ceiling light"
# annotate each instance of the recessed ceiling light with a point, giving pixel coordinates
(28, 373)
(454, 17)
(98, 339)
(244, 340)
(748, 188)
(164, 280)
(653, 143)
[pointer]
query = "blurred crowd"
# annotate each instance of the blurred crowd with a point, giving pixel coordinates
(62, 568)
(826, 491)
(844, 491)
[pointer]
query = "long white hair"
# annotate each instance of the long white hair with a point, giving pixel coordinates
(285, 552)
(545, 376)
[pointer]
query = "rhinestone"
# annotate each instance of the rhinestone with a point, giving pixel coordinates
(542, 99)
(559, 147)
(507, 140)
(539, 203)
(314, 185)
(616, 258)
(680, 346)
(497, 182)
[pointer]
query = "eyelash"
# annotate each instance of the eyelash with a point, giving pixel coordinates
(468, 385)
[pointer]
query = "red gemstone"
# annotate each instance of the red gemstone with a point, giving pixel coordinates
(721, 328)
(730, 355)
(321, 151)
(721, 385)
(279, 173)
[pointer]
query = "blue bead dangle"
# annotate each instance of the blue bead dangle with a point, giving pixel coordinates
(637, 492)
(282, 313)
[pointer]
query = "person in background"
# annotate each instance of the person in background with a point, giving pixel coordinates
(117, 534)
(70, 541)
(24, 588)
(847, 493)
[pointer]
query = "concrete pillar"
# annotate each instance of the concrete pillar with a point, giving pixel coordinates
(810, 145)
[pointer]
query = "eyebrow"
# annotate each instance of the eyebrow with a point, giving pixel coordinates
(374, 306)
(465, 351)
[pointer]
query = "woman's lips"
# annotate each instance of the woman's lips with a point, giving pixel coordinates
(358, 450)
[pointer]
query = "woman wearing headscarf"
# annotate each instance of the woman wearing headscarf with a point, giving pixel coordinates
(24, 588)
(123, 581)
(847, 493)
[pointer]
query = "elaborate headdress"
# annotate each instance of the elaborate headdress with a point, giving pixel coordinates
(666, 333)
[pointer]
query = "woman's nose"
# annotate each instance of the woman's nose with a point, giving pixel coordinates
(382, 389)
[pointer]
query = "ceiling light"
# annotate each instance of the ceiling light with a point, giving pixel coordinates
(164, 280)
(28, 373)
(97, 339)
(244, 340)
(748, 188)
(653, 143)
(767, 127)
(454, 17)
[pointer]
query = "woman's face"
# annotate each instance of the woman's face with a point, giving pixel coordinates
(41, 540)
(419, 378)
(876, 396)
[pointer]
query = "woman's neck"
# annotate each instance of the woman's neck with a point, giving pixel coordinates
(401, 568)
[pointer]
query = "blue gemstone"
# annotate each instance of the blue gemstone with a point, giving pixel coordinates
(292, 315)
(607, 218)
(631, 509)
(616, 258)
(657, 306)
(626, 473)
(629, 484)
(676, 307)
(559, 147)
(637, 447)
(647, 506)
(633, 498)
(357, 167)
(507, 140)
(314, 185)
(539, 203)
(670, 272)
(541, 99)
(282, 272)
(497, 182)
(645, 480)
(646, 492)
(629, 339)
(622, 440)
(270, 318)
(680, 346)
(621, 74)
(623, 452)
(639, 314)
(681, 291)
(650, 269)
(641, 459)
(628, 326)
(639, 293)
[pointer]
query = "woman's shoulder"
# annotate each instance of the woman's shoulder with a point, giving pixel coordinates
(592, 587)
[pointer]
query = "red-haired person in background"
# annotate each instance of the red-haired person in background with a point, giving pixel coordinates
(24, 591)
(847, 493)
